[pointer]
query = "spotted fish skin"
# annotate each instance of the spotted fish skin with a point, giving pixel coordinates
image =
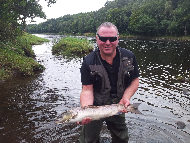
(95, 112)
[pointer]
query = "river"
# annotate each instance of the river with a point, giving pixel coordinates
(29, 105)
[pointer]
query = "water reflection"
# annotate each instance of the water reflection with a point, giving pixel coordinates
(29, 105)
(159, 63)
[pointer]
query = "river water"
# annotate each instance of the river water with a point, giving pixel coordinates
(29, 105)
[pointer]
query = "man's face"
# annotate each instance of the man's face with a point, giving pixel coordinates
(107, 48)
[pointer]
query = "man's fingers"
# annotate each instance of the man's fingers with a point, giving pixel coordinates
(124, 111)
(85, 121)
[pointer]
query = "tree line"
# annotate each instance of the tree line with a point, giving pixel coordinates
(135, 17)
(13, 15)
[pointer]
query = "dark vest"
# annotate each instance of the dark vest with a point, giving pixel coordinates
(101, 83)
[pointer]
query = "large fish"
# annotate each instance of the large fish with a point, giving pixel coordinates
(95, 112)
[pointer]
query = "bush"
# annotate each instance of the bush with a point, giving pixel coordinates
(72, 46)
(16, 56)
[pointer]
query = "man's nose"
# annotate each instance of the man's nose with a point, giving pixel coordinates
(108, 41)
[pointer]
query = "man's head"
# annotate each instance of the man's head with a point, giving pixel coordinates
(107, 39)
(107, 24)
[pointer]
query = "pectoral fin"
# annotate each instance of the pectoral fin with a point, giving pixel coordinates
(119, 112)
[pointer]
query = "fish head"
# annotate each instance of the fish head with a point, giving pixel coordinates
(66, 117)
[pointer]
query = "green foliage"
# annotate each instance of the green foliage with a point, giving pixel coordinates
(32, 39)
(72, 46)
(120, 17)
(15, 56)
(134, 17)
(26, 40)
(16, 64)
(143, 25)
(184, 78)
(13, 14)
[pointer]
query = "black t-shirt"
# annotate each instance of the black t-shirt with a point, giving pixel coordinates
(112, 71)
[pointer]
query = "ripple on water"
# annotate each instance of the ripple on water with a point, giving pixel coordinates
(29, 105)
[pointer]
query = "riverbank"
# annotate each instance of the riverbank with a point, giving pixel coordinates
(72, 46)
(17, 56)
(160, 38)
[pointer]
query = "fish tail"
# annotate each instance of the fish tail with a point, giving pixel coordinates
(136, 111)
(136, 105)
(135, 108)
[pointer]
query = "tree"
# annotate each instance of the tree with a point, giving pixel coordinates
(13, 14)
(147, 18)
(143, 25)
(138, 17)
(27, 9)
(120, 18)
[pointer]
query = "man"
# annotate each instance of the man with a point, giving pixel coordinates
(109, 75)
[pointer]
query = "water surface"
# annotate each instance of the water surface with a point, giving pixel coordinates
(29, 105)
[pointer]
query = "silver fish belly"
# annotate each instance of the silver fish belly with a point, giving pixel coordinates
(95, 112)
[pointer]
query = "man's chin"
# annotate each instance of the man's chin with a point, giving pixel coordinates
(108, 53)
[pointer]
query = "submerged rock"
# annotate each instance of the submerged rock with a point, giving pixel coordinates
(185, 91)
(180, 125)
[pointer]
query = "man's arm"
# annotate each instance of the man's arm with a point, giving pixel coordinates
(129, 91)
(86, 98)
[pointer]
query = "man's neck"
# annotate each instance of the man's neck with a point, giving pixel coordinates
(108, 58)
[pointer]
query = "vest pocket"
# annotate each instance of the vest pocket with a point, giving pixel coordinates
(97, 80)
(128, 77)
(128, 71)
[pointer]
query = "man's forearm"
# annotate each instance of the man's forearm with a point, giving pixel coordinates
(131, 89)
(87, 97)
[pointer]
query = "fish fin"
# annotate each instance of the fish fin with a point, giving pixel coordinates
(89, 106)
(135, 108)
(136, 111)
(119, 112)
(135, 105)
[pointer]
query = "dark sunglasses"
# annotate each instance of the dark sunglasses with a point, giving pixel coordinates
(104, 39)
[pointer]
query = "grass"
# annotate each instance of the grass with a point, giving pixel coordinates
(161, 38)
(16, 57)
(184, 78)
(72, 46)
(90, 34)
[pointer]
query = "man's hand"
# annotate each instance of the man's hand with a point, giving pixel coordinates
(85, 121)
(125, 102)
(128, 93)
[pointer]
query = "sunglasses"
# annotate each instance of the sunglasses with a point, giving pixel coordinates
(104, 39)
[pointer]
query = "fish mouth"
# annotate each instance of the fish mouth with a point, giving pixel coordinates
(58, 122)
(65, 117)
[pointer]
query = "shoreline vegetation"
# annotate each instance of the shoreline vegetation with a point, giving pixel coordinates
(72, 46)
(17, 56)
(160, 38)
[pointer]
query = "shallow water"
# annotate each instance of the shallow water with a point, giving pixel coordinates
(29, 105)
